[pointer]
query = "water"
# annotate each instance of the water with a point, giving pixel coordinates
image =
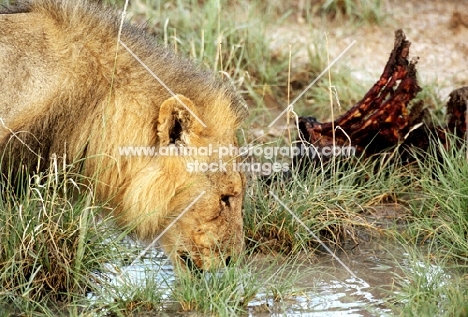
(328, 289)
(333, 292)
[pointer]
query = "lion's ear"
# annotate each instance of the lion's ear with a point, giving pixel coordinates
(178, 121)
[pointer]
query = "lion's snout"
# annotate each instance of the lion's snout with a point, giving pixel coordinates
(196, 265)
(190, 265)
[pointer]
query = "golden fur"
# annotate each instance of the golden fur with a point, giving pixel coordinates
(69, 89)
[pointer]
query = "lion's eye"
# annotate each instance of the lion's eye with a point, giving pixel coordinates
(225, 200)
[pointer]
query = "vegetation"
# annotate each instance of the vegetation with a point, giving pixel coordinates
(51, 244)
(54, 254)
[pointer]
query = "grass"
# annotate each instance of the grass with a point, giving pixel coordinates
(50, 242)
(441, 211)
(369, 11)
(53, 252)
(428, 287)
(121, 292)
(433, 279)
(331, 201)
(228, 292)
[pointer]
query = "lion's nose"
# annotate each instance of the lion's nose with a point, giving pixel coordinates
(190, 265)
(225, 199)
(228, 261)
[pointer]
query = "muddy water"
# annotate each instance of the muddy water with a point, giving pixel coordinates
(327, 289)
(332, 291)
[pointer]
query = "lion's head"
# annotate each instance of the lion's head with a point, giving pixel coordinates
(80, 96)
(190, 174)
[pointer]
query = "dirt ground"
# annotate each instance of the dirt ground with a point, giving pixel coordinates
(438, 30)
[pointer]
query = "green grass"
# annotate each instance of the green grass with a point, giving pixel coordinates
(228, 292)
(234, 38)
(441, 209)
(433, 282)
(51, 242)
(52, 247)
(367, 11)
(130, 294)
(429, 285)
(331, 201)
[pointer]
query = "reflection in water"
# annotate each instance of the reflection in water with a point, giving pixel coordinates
(329, 290)
(332, 292)
(154, 267)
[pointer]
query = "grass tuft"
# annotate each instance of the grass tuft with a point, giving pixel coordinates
(228, 292)
(368, 11)
(441, 209)
(332, 201)
(51, 242)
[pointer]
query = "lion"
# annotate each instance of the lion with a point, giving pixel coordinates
(80, 85)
